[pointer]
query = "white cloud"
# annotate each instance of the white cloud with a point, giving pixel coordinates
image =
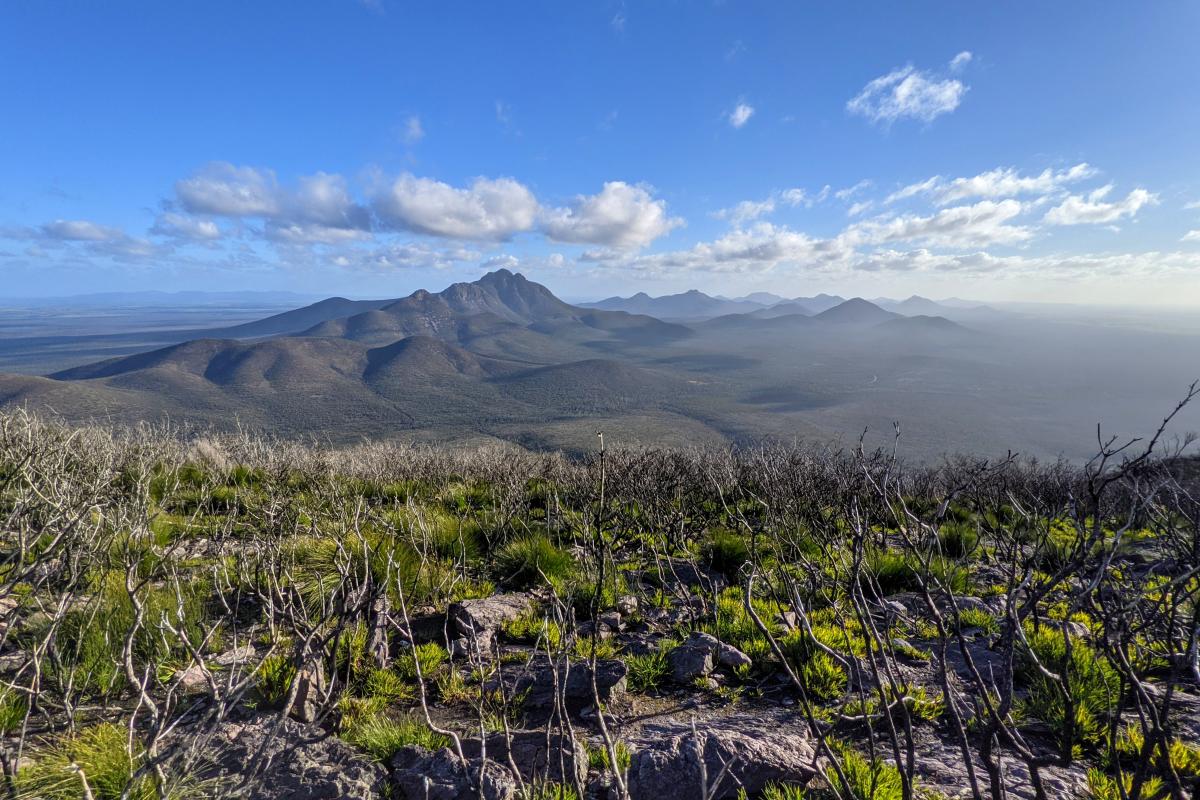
(325, 200)
(80, 230)
(1192, 205)
(223, 189)
(860, 208)
(413, 131)
(907, 92)
(299, 233)
(983, 223)
(620, 216)
(406, 255)
(1092, 210)
(487, 210)
(502, 261)
(751, 210)
(850, 191)
(796, 197)
(741, 115)
(1191, 236)
(961, 60)
(758, 249)
(182, 226)
(996, 183)
(747, 211)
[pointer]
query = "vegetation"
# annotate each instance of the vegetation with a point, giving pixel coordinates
(153, 583)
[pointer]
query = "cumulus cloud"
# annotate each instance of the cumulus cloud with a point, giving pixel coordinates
(487, 210)
(984, 223)
(751, 210)
(402, 256)
(301, 233)
(996, 183)
(226, 190)
(1191, 236)
(502, 261)
(741, 114)
(182, 226)
(621, 216)
(324, 200)
(907, 92)
(1092, 210)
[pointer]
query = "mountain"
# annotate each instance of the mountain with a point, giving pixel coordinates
(761, 298)
(818, 303)
(856, 311)
(300, 319)
(782, 309)
(692, 304)
(498, 303)
(497, 352)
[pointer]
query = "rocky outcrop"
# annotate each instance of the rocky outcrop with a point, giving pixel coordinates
(267, 758)
(672, 759)
(537, 755)
(420, 774)
(479, 620)
(698, 654)
(539, 680)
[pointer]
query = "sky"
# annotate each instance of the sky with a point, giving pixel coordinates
(997, 151)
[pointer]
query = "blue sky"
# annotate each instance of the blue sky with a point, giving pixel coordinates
(991, 150)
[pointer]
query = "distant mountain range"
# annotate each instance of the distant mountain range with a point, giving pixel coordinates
(501, 356)
(696, 305)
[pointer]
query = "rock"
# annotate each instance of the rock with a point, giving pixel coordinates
(418, 774)
(611, 620)
(537, 755)
(428, 625)
(627, 605)
(238, 655)
(538, 680)
(254, 760)
(666, 758)
(730, 656)
(691, 660)
(483, 617)
(696, 656)
(193, 680)
(310, 692)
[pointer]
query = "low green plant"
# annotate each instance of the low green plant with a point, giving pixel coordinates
(865, 778)
(380, 736)
(1092, 682)
(726, 552)
(1105, 787)
(585, 647)
(978, 618)
(531, 627)
(548, 790)
(522, 563)
(823, 678)
(388, 686)
(97, 758)
(598, 757)
(429, 656)
(275, 676)
(647, 671)
(13, 707)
